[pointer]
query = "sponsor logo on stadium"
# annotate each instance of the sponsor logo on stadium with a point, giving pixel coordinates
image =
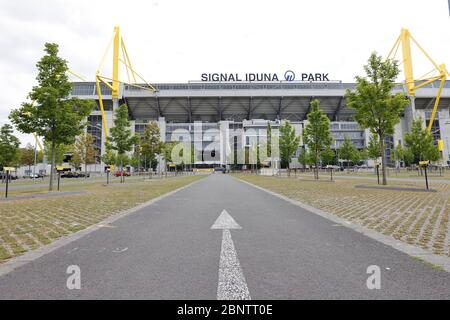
(288, 75)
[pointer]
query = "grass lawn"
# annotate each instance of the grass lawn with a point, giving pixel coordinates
(26, 224)
(418, 218)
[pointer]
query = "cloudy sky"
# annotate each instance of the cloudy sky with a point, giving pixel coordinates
(176, 40)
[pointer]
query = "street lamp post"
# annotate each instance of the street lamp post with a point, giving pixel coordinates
(35, 158)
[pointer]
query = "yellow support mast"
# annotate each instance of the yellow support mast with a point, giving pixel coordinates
(412, 84)
(113, 83)
(115, 77)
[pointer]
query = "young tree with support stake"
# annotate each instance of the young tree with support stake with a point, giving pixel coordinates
(404, 154)
(419, 143)
(377, 109)
(348, 151)
(316, 135)
(289, 143)
(109, 157)
(151, 142)
(328, 156)
(122, 140)
(53, 115)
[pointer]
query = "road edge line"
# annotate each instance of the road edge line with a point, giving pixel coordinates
(32, 255)
(413, 251)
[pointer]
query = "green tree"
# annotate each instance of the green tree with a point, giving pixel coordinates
(363, 154)
(84, 150)
(135, 160)
(167, 148)
(288, 143)
(59, 151)
(109, 157)
(316, 134)
(54, 115)
(357, 156)
(122, 160)
(348, 151)
(151, 142)
(9, 146)
(328, 156)
(122, 140)
(420, 143)
(76, 161)
(137, 153)
(376, 108)
(303, 158)
(26, 156)
(404, 154)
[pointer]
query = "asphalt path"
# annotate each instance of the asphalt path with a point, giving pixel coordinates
(221, 238)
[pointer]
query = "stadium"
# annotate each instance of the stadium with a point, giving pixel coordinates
(224, 113)
(247, 107)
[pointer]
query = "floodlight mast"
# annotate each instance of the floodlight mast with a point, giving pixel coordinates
(440, 72)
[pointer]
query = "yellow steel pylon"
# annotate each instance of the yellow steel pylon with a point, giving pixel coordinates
(113, 83)
(405, 39)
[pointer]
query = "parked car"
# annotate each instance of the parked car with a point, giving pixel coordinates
(334, 167)
(74, 174)
(82, 175)
(123, 173)
(34, 175)
(68, 174)
(220, 169)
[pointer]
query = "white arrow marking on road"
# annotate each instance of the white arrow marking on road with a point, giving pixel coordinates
(232, 284)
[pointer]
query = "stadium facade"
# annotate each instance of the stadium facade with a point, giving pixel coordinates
(207, 111)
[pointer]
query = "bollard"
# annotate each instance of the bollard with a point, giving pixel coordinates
(59, 178)
(378, 174)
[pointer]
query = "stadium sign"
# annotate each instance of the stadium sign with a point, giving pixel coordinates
(289, 75)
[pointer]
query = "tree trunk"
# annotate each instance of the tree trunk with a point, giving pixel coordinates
(383, 160)
(316, 172)
(121, 171)
(52, 168)
(85, 170)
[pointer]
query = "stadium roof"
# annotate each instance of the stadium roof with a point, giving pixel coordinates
(215, 101)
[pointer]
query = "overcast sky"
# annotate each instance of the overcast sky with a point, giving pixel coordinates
(177, 41)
